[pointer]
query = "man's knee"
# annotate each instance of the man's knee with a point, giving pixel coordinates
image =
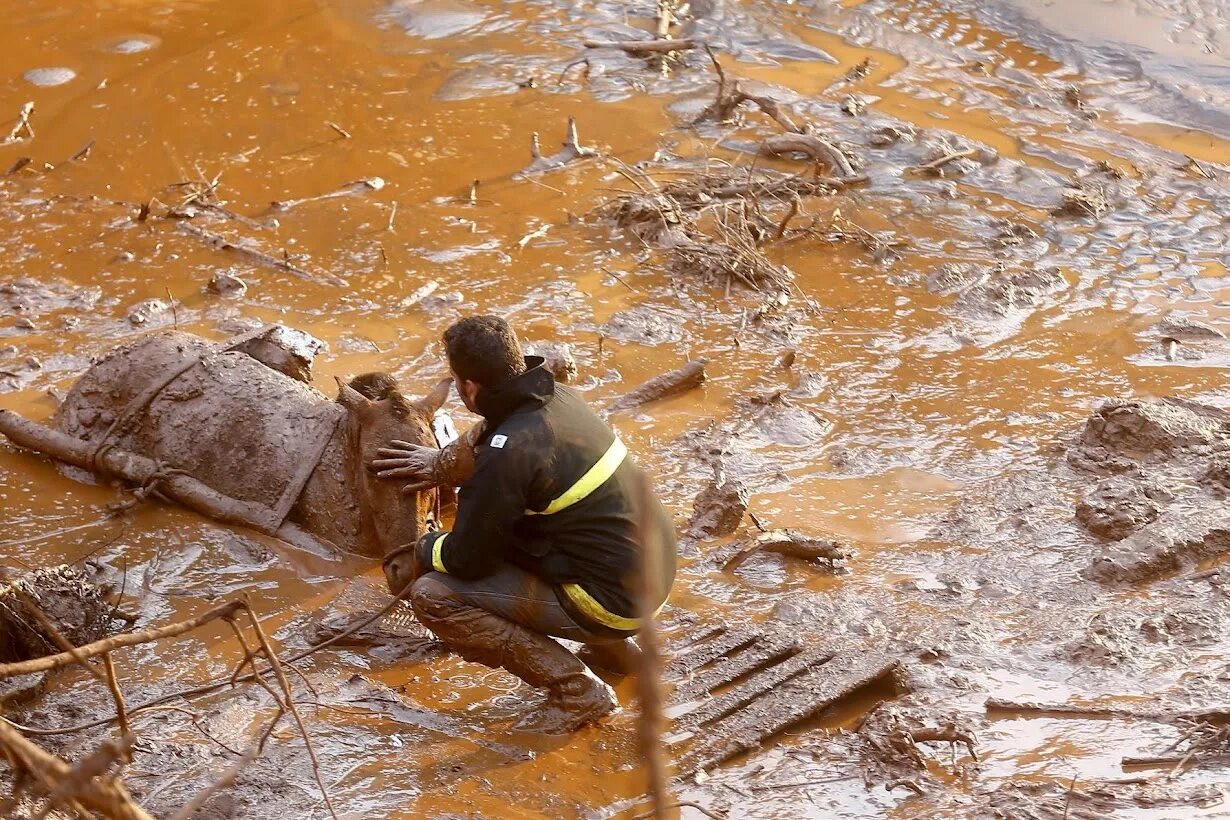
(432, 599)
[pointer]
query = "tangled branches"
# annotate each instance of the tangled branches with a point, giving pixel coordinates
(90, 786)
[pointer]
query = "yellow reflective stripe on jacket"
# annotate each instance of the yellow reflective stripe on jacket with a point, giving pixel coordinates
(437, 561)
(589, 606)
(592, 480)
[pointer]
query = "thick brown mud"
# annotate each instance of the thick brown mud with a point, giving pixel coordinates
(919, 382)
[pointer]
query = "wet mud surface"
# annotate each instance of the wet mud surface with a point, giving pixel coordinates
(939, 325)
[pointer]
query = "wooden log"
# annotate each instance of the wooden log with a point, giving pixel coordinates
(142, 471)
(678, 381)
(817, 149)
(260, 257)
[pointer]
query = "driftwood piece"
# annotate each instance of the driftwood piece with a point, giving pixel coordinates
(23, 124)
(177, 486)
(1178, 760)
(669, 384)
(645, 46)
(791, 544)
(260, 257)
(571, 151)
(359, 186)
(936, 166)
(816, 148)
(1208, 714)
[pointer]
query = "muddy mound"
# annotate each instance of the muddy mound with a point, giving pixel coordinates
(1119, 506)
(1140, 430)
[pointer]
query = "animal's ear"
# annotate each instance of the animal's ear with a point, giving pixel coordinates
(350, 398)
(434, 400)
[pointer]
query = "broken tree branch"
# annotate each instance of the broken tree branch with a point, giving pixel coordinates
(1210, 714)
(102, 796)
(9, 670)
(936, 166)
(221, 243)
(645, 46)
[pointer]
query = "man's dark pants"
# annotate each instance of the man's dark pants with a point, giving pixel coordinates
(504, 619)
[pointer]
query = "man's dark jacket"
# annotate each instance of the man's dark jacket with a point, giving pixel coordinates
(539, 440)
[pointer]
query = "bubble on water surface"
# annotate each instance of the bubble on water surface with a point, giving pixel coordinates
(134, 45)
(57, 75)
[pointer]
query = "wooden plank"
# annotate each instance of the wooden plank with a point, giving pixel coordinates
(689, 640)
(799, 698)
(707, 652)
(746, 692)
(730, 668)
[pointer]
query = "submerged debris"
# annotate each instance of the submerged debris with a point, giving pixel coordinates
(690, 376)
(75, 606)
(892, 736)
(557, 356)
(1084, 199)
(719, 508)
(224, 284)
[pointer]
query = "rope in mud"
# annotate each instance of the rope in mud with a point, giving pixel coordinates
(205, 689)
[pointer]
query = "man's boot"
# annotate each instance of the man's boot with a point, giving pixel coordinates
(614, 657)
(574, 696)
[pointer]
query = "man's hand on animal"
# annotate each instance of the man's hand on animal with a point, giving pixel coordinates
(414, 463)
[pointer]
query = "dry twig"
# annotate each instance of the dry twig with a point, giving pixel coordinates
(23, 124)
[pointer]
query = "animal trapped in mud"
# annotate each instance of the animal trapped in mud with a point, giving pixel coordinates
(549, 533)
(271, 451)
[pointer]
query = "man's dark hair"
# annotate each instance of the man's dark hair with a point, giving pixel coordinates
(484, 349)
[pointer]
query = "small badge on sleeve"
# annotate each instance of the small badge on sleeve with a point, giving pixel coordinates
(499, 441)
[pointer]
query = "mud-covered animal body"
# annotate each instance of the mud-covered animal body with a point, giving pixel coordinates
(251, 432)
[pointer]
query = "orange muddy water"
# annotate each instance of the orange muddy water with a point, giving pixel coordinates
(923, 399)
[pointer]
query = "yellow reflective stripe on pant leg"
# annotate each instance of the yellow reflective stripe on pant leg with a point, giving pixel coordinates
(437, 561)
(592, 480)
(595, 611)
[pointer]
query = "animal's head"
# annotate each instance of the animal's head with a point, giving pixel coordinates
(377, 414)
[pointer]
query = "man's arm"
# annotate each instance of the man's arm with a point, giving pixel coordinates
(489, 504)
(428, 467)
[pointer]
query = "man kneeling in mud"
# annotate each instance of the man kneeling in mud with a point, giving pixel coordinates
(551, 517)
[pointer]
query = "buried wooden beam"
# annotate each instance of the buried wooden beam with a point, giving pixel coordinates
(799, 698)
